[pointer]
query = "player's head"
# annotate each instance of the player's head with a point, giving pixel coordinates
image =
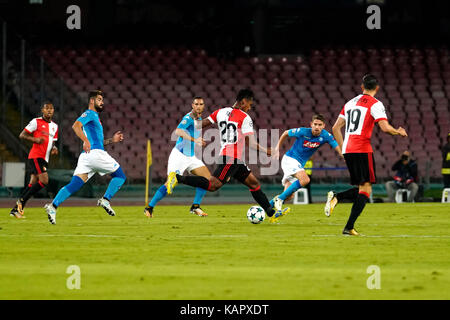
(95, 99)
(47, 110)
(198, 105)
(244, 99)
(317, 124)
(370, 84)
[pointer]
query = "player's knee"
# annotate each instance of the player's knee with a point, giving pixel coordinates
(214, 185)
(305, 181)
(119, 174)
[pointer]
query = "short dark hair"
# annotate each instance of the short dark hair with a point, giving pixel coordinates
(318, 116)
(245, 94)
(94, 93)
(197, 97)
(369, 82)
(46, 102)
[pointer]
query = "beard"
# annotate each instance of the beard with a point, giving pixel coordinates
(98, 108)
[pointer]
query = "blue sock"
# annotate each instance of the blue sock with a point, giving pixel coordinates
(160, 193)
(199, 194)
(290, 190)
(74, 185)
(114, 185)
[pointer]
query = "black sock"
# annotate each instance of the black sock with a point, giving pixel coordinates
(350, 194)
(25, 190)
(357, 208)
(194, 181)
(262, 200)
(35, 188)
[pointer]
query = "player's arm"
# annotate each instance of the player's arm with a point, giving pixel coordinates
(337, 133)
(205, 123)
(280, 143)
(386, 127)
(117, 137)
(252, 143)
(186, 136)
(78, 129)
(24, 135)
(339, 151)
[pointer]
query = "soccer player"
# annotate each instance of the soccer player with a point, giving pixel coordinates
(42, 132)
(235, 127)
(93, 159)
(308, 140)
(183, 157)
(359, 116)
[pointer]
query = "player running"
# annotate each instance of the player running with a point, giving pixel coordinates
(183, 157)
(359, 116)
(308, 140)
(93, 159)
(235, 127)
(42, 132)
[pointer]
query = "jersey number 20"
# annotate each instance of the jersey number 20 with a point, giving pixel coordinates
(228, 132)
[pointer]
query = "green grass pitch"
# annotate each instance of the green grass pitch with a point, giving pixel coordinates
(177, 255)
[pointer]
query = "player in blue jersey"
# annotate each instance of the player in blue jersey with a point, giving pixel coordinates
(308, 140)
(183, 157)
(93, 159)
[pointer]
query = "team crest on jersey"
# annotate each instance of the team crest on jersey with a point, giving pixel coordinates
(309, 144)
(184, 122)
(83, 115)
(320, 139)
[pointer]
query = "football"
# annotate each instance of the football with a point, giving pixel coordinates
(256, 214)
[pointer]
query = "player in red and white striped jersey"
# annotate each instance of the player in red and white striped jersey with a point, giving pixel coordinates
(42, 132)
(359, 116)
(235, 127)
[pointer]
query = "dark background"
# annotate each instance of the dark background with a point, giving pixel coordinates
(266, 26)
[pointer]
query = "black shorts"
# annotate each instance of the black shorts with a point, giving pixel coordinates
(37, 166)
(361, 167)
(231, 167)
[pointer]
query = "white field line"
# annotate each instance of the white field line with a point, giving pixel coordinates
(121, 236)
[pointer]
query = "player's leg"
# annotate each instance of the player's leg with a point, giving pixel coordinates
(177, 163)
(221, 175)
(65, 192)
(248, 179)
(199, 192)
(334, 198)
(362, 173)
(40, 181)
(18, 209)
(118, 179)
(83, 172)
(363, 197)
(302, 180)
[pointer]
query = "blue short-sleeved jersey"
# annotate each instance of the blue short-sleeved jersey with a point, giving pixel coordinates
(186, 146)
(306, 144)
(92, 128)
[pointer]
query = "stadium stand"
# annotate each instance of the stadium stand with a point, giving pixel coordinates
(151, 88)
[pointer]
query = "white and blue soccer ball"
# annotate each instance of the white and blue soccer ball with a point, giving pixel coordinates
(256, 214)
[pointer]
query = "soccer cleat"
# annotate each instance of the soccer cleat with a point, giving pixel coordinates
(171, 182)
(107, 206)
(148, 211)
(331, 203)
(279, 214)
(51, 213)
(198, 211)
(15, 213)
(277, 203)
(350, 232)
(19, 207)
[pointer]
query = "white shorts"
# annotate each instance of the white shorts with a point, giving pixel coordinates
(290, 167)
(179, 162)
(96, 161)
